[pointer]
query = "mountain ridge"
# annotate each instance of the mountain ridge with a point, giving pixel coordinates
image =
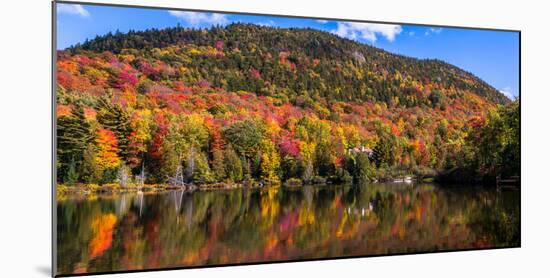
(300, 43)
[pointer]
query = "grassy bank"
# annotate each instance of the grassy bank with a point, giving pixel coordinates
(63, 190)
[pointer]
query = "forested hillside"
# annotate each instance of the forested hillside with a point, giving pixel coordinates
(250, 103)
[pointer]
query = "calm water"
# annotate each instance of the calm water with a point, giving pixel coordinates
(174, 229)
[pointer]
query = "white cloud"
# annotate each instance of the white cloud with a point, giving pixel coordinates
(507, 92)
(367, 31)
(322, 21)
(196, 18)
(73, 9)
(433, 31)
(269, 23)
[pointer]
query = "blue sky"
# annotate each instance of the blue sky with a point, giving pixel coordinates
(491, 55)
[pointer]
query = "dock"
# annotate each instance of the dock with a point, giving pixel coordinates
(512, 182)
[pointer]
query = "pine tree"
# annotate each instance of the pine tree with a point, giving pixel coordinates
(72, 176)
(74, 133)
(218, 167)
(91, 172)
(115, 118)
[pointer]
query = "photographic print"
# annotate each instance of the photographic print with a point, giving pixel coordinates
(187, 138)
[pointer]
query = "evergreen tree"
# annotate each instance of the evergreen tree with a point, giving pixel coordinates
(72, 175)
(218, 167)
(90, 171)
(115, 118)
(74, 134)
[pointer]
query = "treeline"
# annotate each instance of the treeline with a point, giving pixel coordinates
(106, 142)
(492, 148)
(290, 62)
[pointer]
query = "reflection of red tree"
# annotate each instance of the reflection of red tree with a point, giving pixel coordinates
(288, 222)
(102, 239)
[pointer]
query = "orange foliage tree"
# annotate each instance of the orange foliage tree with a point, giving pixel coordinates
(107, 154)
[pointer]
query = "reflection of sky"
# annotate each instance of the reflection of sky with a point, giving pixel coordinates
(491, 55)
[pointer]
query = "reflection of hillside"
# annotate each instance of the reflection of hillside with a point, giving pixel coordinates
(244, 225)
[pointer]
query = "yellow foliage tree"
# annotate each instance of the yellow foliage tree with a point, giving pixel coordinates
(270, 162)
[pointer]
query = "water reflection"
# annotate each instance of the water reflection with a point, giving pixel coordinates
(137, 231)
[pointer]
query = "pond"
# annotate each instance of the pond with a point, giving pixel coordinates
(103, 233)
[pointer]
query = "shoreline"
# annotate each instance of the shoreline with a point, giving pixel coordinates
(86, 189)
(63, 190)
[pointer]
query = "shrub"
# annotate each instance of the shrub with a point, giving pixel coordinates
(293, 182)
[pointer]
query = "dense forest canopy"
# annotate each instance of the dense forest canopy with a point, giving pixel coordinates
(326, 62)
(252, 103)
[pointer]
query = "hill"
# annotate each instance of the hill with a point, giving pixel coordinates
(324, 64)
(246, 102)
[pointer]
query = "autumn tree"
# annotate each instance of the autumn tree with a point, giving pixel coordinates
(107, 157)
(216, 150)
(140, 136)
(270, 162)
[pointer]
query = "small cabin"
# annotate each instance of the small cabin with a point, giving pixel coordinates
(361, 149)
